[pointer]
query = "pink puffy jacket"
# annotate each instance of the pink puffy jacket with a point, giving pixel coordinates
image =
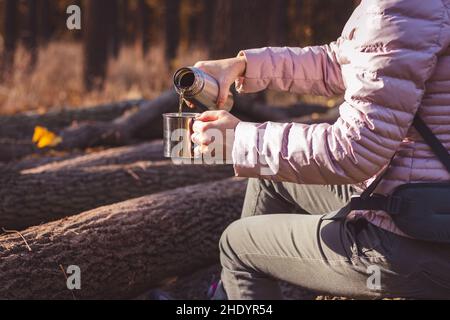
(392, 60)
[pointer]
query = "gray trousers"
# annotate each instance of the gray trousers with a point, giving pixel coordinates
(281, 237)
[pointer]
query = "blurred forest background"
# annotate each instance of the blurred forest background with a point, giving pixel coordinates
(128, 49)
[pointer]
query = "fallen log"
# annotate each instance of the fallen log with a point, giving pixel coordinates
(153, 150)
(121, 249)
(16, 131)
(11, 149)
(146, 122)
(21, 126)
(55, 190)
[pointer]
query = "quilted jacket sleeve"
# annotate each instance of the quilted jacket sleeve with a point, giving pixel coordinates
(311, 70)
(392, 54)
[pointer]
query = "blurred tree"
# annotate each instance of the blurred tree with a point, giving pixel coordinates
(278, 22)
(193, 26)
(30, 34)
(209, 8)
(172, 22)
(44, 28)
(10, 33)
(240, 24)
(144, 25)
(329, 18)
(97, 16)
(115, 26)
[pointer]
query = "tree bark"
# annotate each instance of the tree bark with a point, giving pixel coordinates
(121, 249)
(52, 191)
(148, 151)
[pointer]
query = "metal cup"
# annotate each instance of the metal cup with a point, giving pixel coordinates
(177, 135)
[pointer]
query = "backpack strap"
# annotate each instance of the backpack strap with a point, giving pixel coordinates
(391, 204)
(438, 148)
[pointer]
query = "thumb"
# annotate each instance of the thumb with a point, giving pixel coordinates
(208, 116)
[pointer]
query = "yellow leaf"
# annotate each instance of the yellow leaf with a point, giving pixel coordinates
(38, 133)
(43, 137)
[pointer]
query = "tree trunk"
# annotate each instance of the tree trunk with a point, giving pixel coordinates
(52, 191)
(144, 24)
(96, 42)
(10, 35)
(122, 249)
(115, 29)
(207, 24)
(30, 37)
(172, 21)
(278, 23)
(45, 30)
(232, 33)
(329, 18)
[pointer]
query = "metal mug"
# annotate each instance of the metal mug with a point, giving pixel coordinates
(199, 87)
(177, 135)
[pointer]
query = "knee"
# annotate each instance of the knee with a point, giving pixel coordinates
(229, 244)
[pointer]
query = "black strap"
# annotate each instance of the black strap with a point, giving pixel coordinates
(438, 148)
(391, 204)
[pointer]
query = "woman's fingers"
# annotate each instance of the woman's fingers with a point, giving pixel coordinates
(203, 139)
(204, 127)
(190, 104)
(224, 91)
(209, 116)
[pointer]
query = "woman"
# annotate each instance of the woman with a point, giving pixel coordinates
(392, 61)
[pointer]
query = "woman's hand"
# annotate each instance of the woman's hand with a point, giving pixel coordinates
(214, 134)
(225, 71)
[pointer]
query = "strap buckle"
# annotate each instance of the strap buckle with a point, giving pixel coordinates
(356, 203)
(394, 205)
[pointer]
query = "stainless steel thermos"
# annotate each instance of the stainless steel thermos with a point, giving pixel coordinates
(199, 87)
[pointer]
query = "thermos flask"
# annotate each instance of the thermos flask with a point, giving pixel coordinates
(199, 87)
